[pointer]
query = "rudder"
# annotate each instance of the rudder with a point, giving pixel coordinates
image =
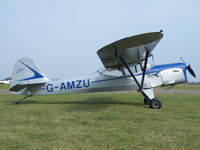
(26, 72)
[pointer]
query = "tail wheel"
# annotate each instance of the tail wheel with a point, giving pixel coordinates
(155, 103)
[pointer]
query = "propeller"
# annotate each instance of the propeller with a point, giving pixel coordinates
(189, 68)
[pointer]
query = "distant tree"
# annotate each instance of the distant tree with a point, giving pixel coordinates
(193, 83)
(7, 78)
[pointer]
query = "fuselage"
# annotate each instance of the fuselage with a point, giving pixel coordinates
(158, 75)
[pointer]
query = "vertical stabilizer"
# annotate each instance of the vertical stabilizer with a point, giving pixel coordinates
(26, 72)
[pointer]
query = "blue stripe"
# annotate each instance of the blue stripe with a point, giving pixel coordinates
(154, 70)
(36, 74)
(110, 79)
(158, 68)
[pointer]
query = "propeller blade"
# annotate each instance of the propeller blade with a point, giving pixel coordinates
(182, 59)
(191, 71)
(188, 67)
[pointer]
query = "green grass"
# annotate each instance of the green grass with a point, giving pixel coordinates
(190, 87)
(3, 86)
(103, 121)
(183, 86)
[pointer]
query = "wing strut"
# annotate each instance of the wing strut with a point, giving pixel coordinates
(133, 76)
(145, 67)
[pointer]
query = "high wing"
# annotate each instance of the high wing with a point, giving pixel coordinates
(132, 49)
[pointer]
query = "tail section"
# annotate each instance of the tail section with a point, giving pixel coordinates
(26, 72)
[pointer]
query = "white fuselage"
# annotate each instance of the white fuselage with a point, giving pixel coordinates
(101, 82)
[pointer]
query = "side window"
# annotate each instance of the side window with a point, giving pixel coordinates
(138, 68)
(134, 69)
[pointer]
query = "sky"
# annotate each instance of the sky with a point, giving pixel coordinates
(63, 36)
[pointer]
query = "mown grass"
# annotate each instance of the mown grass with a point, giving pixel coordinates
(101, 121)
(187, 87)
(4, 86)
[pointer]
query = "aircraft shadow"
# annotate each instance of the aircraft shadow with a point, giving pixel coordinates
(90, 104)
(98, 104)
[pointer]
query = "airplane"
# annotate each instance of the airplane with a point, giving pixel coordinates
(4, 81)
(125, 68)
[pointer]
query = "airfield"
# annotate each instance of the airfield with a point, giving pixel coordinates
(101, 121)
(181, 89)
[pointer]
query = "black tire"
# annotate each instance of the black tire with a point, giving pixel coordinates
(17, 102)
(155, 104)
(146, 102)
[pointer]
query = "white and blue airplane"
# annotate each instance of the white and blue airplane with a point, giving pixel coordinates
(4, 81)
(125, 68)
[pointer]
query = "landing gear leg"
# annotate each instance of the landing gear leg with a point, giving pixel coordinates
(146, 101)
(149, 99)
(28, 94)
(19, 101)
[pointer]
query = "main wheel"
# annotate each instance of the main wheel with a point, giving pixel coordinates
(146, 102)
(17, 102)
(155, 103)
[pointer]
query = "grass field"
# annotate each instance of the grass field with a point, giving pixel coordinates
(3, 86)
(188, 87)
(104, 121)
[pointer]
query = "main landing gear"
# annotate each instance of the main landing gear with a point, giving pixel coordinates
(149, 99)
(154, 103)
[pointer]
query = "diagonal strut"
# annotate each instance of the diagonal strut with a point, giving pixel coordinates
(145, 67)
